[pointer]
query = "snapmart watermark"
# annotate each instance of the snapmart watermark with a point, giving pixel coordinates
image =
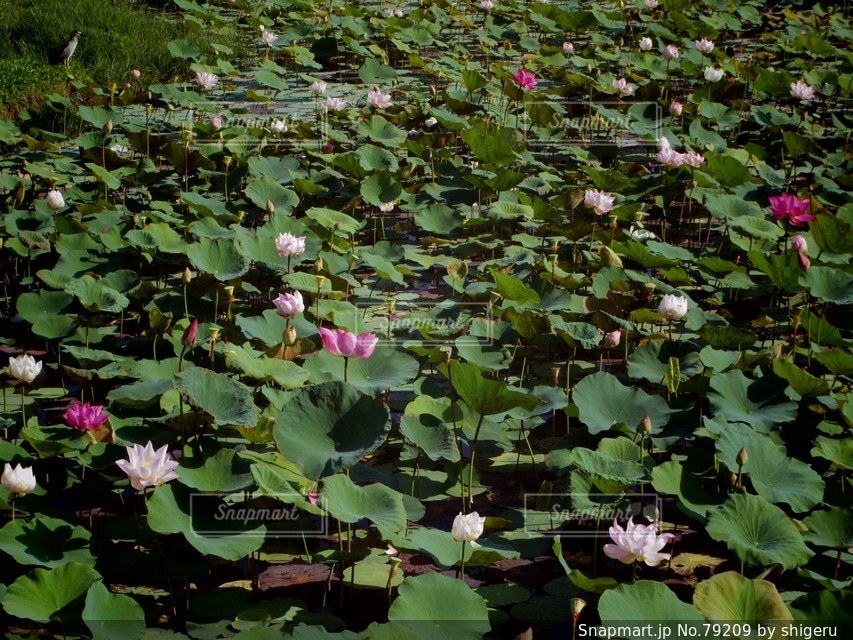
(426, 323)
(281, 515)
(713, 630)
(588, 515)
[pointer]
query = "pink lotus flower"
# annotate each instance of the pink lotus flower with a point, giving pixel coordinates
(670, 52)
(599, 201)
(146, 467)
(289, 305)
(799, 244)
(668, 156)
(525, 79)
(804, 261)
(623, 87)
(268, 37)
(216, 123)
(206, 80)
(85, 416)
(288, 245)
(692, 158)
(637, 543)
(334, 104)
(568, 47)
(375, 98)
(787, 206)
(675, 108)
(802, 91)
(136, 73)
(611, 340)
(344, 343)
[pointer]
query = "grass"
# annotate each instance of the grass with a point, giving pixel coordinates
(118, 36)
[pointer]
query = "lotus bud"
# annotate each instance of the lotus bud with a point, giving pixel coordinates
(270, 207)
(645, 426)
(318, 264)
(108, 127)
(609, 258)
(187, 275)
(290, 336)
(742, 457)
(190, 334)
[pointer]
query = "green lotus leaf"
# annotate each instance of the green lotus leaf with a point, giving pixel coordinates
(228, 401)
(645, 600)
(349, 502)
(381, 188)
(112, 616)
(265, 191)
(380, 130)
(831, 527)
(43, 310)
(486, 397)
(650, 361)
(221, 472)
(759, 403)
(96, 296)
(220, 258)
(671, 478)
(430, 604)
(330, 426)
(758, 532)
(387, 368)
(730, 597)
(49, 594)
(603, 402)
(46, 542)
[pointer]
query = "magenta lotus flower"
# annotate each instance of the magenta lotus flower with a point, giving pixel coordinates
(637, 543)
(146, 467)
(289, 305)
(85, 416)
(787, 206)
(798, 244)
(675, 108)
(339, 342)
(525, 79)
(190, 334)
(611, 340)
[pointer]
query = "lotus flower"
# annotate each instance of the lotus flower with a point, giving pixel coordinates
(216, 123)
(568, 47)
(279, 127)
(344, 343)
(670, 52)
(430, 122)
(667, 155)
(148, 468)
(85, 416)
(136, 74)
(55, 200)
(675, 108)
(290, 245)
(206, 80)
(376, 98)
(24, 368)
(487, 5)
(802, 91)
(18, 481)
(713, 75)
(525, 79)
(467, 528)
(318, 88)
(787, 206)
(612, 339)
(387, 207)
(637, 543)
(623, 87)
(672, 307)
(646, 44)
(704, 45)
(268, 37)
(289, 305)
(334, 104)
(692, 158)
(598, 201)
(651, 4)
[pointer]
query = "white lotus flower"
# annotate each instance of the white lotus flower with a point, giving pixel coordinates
(598, 201)
(148, 468)
(713, 75)
(704, 45)
(318, 88)
(646, 44)
(334, 104)
(673, 307)
(623, 87)
(206, 80)
(18, 480)
(55, 200)
(279, 126)
(467, 527)
(24, 368)
(670, 52)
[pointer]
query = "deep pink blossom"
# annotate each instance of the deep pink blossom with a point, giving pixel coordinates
(339, 342)
(85, 416)
(525, 79)
(787, 206)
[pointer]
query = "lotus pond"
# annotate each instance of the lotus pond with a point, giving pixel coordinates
(485, 319)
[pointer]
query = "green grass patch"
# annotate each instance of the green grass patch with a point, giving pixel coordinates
(117, 38)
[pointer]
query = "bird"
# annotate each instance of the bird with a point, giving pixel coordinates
(69, 49)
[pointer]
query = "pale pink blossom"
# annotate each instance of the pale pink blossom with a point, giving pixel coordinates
(376, 98)
(637, 543)
(599, 201)
(148, 468)
(339, 342)
(704, 45)
(288, 245)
